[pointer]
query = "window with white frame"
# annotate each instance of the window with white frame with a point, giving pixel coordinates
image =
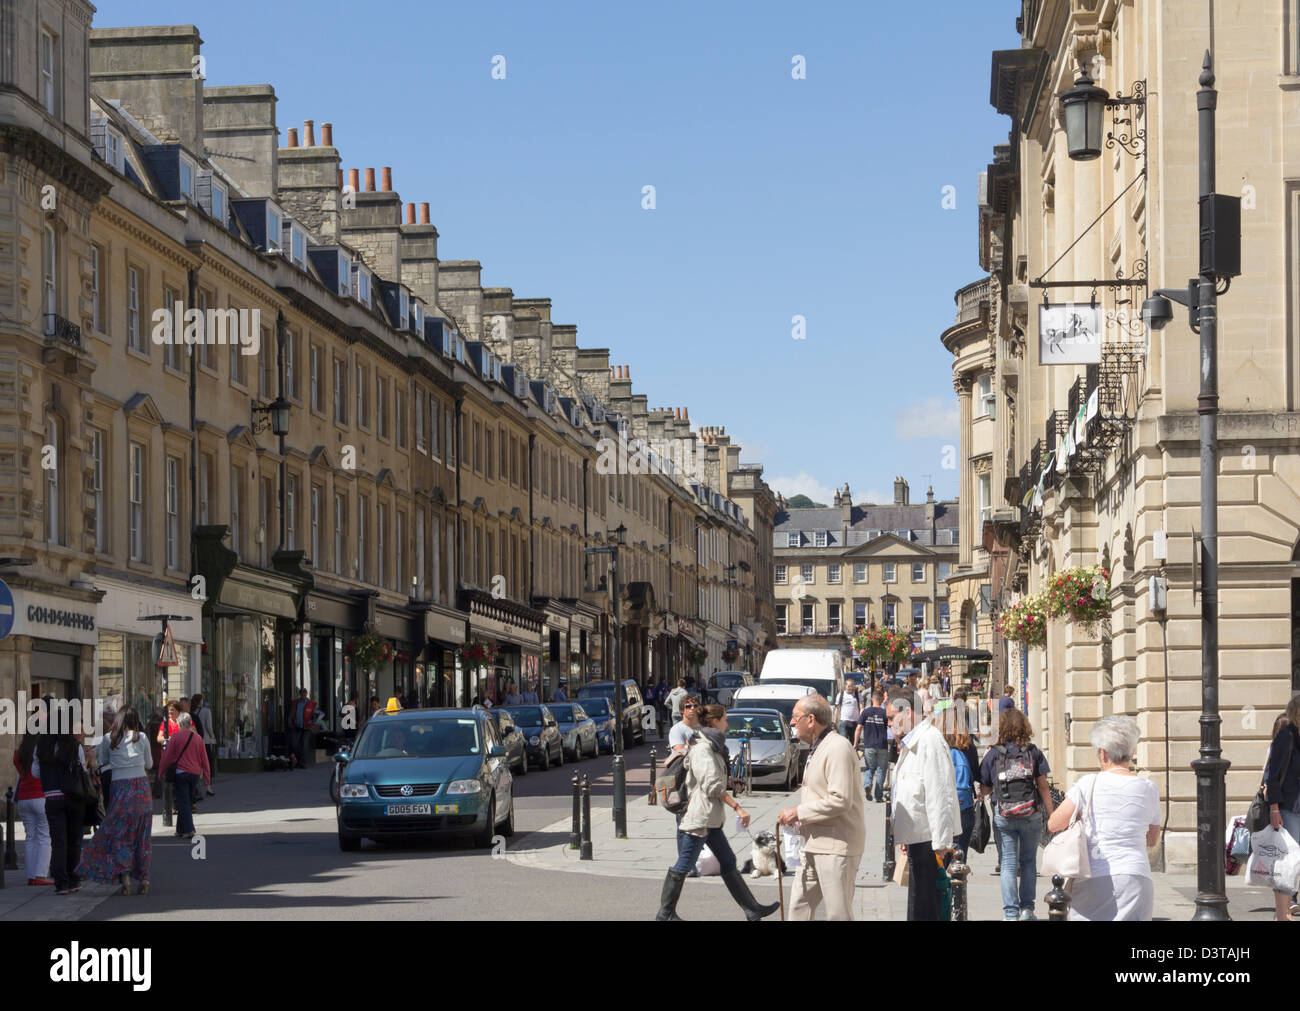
(315, 525)
(806, 573)
(806, 619)
(186, 178)
(363, 397)
(313, 367)
(891, 613)
(904, 534)
(48, 77)
(859, 572)
(363, 520)
(833, 616)
(945, 570)
(96, 289)
(985, 498)
(298, 250)
(135, 497)
(345, 274)
(97, 488)
(238, 371)
(340, 391)
(419, 416)
(50, 272)
(943, 616)
(291, 512)
(780, 619)
(780, 573)
(290, 364)
(832, 573)
(918, 614)
(984, 396)
(792, 540)
(171, 350)
(859, 615)
(381, 543)
(435, 557)
(173, 496)
(340, 526)
(236, 508)
(887, 572)
(399, 552)
(381, 407)
(113, 148)
(419, 555)
(819, 539)
(219, 202)
(918, 572)
(133, 310)
(273, 226)
(208, 350)
(53, 513)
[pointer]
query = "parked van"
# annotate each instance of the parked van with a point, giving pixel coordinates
(820, 669)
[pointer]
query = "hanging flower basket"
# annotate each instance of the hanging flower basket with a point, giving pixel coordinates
(1025, 622)
(882, 644)
(369, 649)
(730, 655)
(1082, 595)
(696, 656)
(474, 655)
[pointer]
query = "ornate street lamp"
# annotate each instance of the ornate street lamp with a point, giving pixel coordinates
(275, 414)
(1083, 108)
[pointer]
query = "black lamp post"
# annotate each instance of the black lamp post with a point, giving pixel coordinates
(1220, 260)
(619, 539)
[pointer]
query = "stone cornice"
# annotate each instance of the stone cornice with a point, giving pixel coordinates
(146, 235)
(46, 156)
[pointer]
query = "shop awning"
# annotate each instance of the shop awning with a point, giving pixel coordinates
(950, 653)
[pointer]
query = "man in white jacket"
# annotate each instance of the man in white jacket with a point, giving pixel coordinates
(927, 815)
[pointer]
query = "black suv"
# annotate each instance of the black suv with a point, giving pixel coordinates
(633, 707)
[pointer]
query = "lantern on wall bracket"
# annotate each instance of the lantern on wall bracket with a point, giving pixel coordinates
(1083, 108)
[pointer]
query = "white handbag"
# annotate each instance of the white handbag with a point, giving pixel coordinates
(1067, 852)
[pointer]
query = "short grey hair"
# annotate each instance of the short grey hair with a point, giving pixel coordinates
(816, 705)
(900, 699)
(1117, 736)
(184, 720)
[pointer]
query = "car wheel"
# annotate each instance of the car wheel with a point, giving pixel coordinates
(545, 761)
(483, 838)
(559, 762)
(789, 778)
(595, 749)
(507, 828)
(349, 843)
(523, 764)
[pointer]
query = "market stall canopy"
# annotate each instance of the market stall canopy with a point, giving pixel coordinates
(950, 653)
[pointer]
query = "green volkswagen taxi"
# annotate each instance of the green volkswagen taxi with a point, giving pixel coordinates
(425, 773)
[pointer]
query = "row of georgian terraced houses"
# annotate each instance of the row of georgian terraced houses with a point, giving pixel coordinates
(1097, 464)
(445, 456)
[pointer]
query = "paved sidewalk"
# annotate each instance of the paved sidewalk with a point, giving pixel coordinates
(651, 849)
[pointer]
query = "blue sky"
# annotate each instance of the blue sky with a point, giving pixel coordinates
(774, 197)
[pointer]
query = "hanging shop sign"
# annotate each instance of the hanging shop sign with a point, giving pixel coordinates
(1069, 334)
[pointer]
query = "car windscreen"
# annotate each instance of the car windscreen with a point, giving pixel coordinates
(596, 692)
(758, 726)
(436, 737)
(784, 706)
(596, 706)
(562, 714)
(728, 681)
(527, 716)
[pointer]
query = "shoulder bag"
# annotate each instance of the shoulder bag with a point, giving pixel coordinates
(170, 774)
(1067, 853)
(1257, 818)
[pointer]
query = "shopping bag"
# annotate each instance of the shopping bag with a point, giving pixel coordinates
(1236, 848)
(791, 848)
(1274, 861)
(983, 830)
(707, 864)
(902, 872)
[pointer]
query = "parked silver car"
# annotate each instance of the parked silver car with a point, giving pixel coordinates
(773, 747)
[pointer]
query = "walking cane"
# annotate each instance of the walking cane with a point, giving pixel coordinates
(780, 885)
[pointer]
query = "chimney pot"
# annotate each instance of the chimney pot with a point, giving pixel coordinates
(387, 179)
(354, 180)
(327, 134)
(370, 180)
(424, 213)
(293, 136)
(410, 213)
(309, 133)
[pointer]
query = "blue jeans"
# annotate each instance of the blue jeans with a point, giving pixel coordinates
(967, 827)
(1018, 846)
(875, 764)
(183, 794)
(847, 729)
(689, 846)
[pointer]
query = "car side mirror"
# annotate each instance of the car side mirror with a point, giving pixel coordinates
(341, 757)
(496, 751)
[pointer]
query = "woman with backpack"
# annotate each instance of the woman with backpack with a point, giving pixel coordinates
(962, 751)
(1282, 786)
(58, 758)
(123, 846)
(1015, 772)
(707, 764)
(1121, 819)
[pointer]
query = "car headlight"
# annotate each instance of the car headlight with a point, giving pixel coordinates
(354, 790)
(534, 740)
(464, 786)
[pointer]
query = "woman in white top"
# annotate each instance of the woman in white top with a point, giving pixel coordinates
(123, 847)
(1121, 823)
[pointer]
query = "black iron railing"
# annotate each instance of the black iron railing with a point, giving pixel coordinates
(62, 329)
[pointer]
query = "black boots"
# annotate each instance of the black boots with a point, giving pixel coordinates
(754, 910)
(668, 899)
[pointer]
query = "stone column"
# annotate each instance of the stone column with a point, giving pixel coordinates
(962, 384)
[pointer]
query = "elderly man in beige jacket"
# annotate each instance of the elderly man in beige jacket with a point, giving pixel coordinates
(831, 815)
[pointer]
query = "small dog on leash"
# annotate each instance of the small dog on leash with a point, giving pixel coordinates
(764, 858)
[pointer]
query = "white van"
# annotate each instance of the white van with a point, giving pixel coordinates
(820, 669)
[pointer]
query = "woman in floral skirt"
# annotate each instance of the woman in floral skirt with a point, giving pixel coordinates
(123, 846)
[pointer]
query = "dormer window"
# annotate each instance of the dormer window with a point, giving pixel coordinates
(819, 539)
(219, 202)
(403, 308)
(792, 540)
(345, 270)
(417, 316)
(186, 177)
(299, 248)
(272, 229)
(361, 284)
(113, 148)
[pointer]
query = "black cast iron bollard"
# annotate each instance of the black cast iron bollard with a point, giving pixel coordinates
(654, 800)
(168, 796)
(890, 863)
(957, 873)
(575, 834)
(586, 819)
(620, 797)
(10, 847)
(1058, 900)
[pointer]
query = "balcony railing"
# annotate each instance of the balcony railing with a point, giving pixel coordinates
(62, 329)
(969, 299)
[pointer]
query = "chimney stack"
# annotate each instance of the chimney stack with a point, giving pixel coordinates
(354, 180)
(370, 180)
(424, 213)
(309, 133)
(293, 136)
(387, 177)
(410, 213)
(340, 179)
(327, 134)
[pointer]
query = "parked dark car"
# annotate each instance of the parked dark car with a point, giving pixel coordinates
(541, 733)
(633, 707)
(720, 687)
(602, 714)
(516, 744)
(577, 729)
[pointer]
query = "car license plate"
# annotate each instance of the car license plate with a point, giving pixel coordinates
(447, 809)
(406, 809)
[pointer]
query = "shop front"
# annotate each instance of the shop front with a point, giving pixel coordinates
(132, 620)
(329, 622)
(514, 631)
(444, 634)
(50, 648)
(583, 635)
(556, 632)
